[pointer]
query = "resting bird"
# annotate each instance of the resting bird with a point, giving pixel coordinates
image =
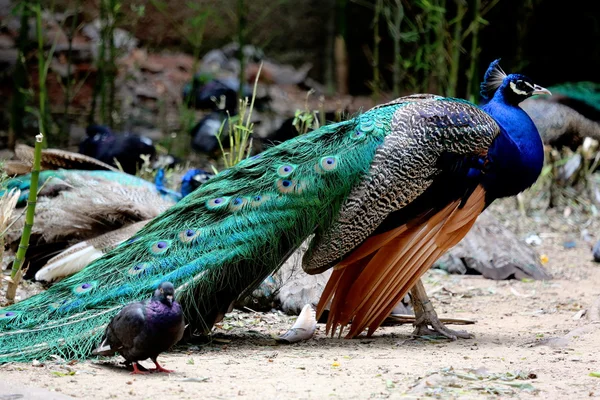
(596, 252)
(205, 92)
(106, 146)
(145, 329)
(384, 193)
(570, 117)
(93, 211)
(204, 134)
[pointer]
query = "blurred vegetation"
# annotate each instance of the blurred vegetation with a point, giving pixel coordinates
(379, 48)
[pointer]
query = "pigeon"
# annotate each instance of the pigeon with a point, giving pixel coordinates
(145, 329)
(596, 252)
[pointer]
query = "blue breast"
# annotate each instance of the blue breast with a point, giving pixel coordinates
(517, 155)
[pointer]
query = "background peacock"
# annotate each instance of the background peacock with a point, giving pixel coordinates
(90, 211)
(385, 193)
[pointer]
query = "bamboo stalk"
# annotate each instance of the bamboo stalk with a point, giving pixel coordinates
(64, 136)
(241, 39)
(376, 40)
(112, 66)
(456, 48)
(16, 272)
(471, 89)
(20, 81)
(41, 73)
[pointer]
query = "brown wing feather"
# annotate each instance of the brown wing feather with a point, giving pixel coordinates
(55, 158)
(366, 286)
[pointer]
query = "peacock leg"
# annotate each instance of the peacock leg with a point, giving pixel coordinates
(159, 368)
(425, 315)
(138, 369)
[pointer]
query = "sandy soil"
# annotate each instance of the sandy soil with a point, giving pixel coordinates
(528, 343)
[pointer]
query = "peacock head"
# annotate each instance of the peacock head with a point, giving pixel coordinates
(512, 89)
(165, 293)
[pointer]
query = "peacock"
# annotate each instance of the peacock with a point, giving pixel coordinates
(88, 211)
(570, 115)
(384, 194)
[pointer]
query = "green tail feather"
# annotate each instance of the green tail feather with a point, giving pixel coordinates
(217, 243)
(586, 92)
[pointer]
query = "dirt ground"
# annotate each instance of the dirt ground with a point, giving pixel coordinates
(531, 341)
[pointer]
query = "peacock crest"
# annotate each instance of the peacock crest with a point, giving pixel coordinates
(493, 78)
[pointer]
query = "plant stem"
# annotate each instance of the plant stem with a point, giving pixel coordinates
(376, 40)
(19, 100)
(456, 48)
(471, 77)
(41, 74)
(64, 136)
(394, 28)
(16, 273)
(440, 68)
(112, 67)
(340, 52)
(241, 39)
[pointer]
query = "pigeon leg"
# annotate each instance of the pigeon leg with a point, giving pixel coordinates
(425, 315)
(138, 369)
(159, 368)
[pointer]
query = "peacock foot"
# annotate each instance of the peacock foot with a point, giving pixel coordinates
(425, 316)
(159, 368)
(138, 369)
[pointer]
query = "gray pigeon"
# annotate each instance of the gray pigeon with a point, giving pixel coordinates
(596, 252)
(145, 329)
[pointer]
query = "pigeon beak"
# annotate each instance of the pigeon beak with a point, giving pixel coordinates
(170, 299)
(537, 89)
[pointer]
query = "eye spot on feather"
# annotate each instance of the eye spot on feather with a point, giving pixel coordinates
(138, 269)
(160, 247)
(84, 288)
(260, 199)
(285, 185)
(57, 305)
(8, 315)
(187, 235)
(285, 170)
(327, 164)
(215, 204)
(357, 134)
(65, 305)
(237, 203)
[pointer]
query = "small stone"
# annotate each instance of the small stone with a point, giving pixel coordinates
(596, 252)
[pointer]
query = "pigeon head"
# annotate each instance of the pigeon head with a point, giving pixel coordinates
(165, 293)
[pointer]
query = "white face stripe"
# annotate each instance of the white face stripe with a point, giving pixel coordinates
(513, 86)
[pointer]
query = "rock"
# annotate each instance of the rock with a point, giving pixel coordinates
(6, 42)
(8, 58)
(493, 251)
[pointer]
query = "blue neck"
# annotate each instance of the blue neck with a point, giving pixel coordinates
(517, 154)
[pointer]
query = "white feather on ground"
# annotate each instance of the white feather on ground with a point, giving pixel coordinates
(78, 256)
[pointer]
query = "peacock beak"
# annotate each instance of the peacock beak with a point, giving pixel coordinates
(537, 89)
